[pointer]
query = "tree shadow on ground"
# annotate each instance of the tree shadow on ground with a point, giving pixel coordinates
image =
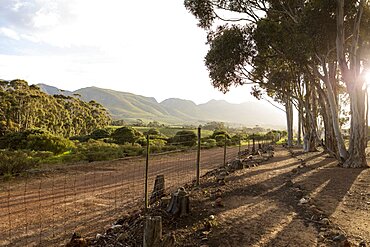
(267, 213)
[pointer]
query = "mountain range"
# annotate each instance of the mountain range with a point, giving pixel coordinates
(130, 107)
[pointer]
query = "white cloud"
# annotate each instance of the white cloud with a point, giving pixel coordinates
(9, 33)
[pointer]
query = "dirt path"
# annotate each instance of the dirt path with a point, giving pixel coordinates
(44, 210)
(294, 199)
(261, 206)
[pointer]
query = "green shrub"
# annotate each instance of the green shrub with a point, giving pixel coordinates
(99, 134)
(184, 138)
(48, 142)
(98, 150)
(37, 140)
(83, 138)
(15, 162)
(209, 143)
(126, 135)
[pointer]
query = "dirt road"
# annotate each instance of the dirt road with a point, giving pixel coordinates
(45, 209)
(262, 206)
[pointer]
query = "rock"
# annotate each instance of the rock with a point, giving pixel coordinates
(339, 238)
(295, 170)
(165, 201)
(362, 244)
(77, 241)
(236, 164)
(211, 217)
(122, 237)
(289, 183)
(168, 240)
(325, 221)
(218, 202)
(303, 201)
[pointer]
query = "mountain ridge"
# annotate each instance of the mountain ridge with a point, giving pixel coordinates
(130, 107)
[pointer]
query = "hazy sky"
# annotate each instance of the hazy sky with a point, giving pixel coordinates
(152, 48)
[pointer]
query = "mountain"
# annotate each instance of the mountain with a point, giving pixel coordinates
(53, 90)
(128, 106)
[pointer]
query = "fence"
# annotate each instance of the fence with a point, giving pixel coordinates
(46, 207)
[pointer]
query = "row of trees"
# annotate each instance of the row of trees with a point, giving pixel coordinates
(24, 107)
(312, 55)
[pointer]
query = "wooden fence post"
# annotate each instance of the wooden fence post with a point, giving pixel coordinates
(153, 232)
(225, 151)
(198, 157)
(239, 148)
(146, 173)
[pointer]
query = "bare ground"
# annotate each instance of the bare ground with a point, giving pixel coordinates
(263, 206)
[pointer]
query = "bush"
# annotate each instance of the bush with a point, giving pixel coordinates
(157, 145)
(209, 143)
(184, 138)
(15, 162)
(48, 142)
(125, 135)
(97, 151)
(220, 133)
(37, 140)
(80, 138)
(99, 134)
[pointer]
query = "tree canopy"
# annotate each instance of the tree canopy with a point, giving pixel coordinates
(24, 107)
(296, 52)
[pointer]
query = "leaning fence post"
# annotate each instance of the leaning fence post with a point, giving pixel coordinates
(225, 151)
(146, 173)
(198, 157)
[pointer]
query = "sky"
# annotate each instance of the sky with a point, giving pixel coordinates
(146, 47)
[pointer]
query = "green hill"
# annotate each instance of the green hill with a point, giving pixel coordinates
(129, 107)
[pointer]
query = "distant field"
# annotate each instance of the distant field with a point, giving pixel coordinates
(171, 131)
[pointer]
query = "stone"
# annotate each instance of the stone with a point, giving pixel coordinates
(289, 183)
(295, 170)
(325, 221)
(122, 237)
(303, 201)
(219, 202)
(362, 244)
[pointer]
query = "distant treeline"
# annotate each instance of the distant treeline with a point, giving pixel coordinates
(24, 107)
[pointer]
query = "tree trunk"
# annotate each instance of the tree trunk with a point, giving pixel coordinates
(334, 114)
(330, 144)
(299, 135)
(352, 77)
(358, 131)
(289, 117)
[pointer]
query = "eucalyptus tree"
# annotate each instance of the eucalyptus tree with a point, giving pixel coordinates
(353, 50)
(24, 107)
(313, 39)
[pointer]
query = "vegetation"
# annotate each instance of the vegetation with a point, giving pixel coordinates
(24, 107)
(311, 55)
(37, 128)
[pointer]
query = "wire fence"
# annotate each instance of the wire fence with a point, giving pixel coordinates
(47, 207)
